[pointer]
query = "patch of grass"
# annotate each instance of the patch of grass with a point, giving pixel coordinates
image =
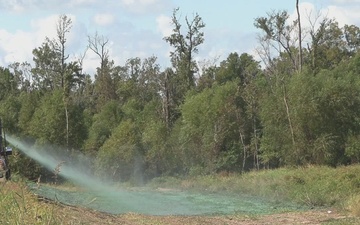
(353, 205)
(168, 182)
(19, 206)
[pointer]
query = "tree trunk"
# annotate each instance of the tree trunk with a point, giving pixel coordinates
(299, 27)
(167, 101)
(288, 117)
(67, 126)
(256, 153)
(244, 151)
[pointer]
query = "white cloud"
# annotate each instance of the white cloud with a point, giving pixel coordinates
(24, 6)
(344, 15)
(311, 16)
(104, 19)
(13, 5)
(16, 46)
(77, 3)
(91, 62)
(144, 6)
(345, 1)
(140, 2)
(164, 25)
(307, 11)
(44, 27)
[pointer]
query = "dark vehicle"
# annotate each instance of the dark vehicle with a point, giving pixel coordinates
(4, 153)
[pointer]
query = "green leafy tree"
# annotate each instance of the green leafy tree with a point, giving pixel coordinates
(214, 130)
(149, 80)
(207, 78)
(29, 103)
(323, 110)
(46, 62)
(241, 68)
(159, 158)
(53, 72)
(230, 69)
(47, 124)
(23, 76)
(185, 46)
(102, 126)
(352, 37)
(178, 81)
(276, 136)
(8, 83)
(121, 157)
(9, 113)
(331, 44)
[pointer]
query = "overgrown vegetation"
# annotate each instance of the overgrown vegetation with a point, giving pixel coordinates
(19, 206)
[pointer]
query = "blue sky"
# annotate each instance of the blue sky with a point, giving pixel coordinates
(135, 28)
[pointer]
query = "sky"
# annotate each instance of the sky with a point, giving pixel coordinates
(136, 28)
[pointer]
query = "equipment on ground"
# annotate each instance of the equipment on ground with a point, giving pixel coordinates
(4, 153)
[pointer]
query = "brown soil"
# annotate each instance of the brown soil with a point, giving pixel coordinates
(76, 215)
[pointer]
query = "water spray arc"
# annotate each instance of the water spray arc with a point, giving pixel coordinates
(106, 198)
(58, 165)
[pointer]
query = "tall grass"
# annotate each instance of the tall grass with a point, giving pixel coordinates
(315, 186)
(19, 206)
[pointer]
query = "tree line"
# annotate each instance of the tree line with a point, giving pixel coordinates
(300, 105)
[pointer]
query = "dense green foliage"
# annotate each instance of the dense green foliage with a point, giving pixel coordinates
(136, 120)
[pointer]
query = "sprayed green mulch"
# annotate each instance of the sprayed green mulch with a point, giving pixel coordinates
(255, 193)
(165, 202)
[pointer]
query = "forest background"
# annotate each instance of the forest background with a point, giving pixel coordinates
(299, 105)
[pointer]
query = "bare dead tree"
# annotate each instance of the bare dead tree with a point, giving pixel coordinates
(104, 83)
(98, 45)
(62, 28)
(278, 34)
(81, 58)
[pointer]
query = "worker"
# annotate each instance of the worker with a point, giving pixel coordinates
(2, 163)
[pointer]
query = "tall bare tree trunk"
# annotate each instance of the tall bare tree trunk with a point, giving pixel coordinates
(167, 100)
(64, 27)
(288, 116)
(244, 151)
(299, 27)
(67, 126)
(256, 153)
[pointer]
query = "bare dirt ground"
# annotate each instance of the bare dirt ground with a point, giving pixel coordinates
(76, 215)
